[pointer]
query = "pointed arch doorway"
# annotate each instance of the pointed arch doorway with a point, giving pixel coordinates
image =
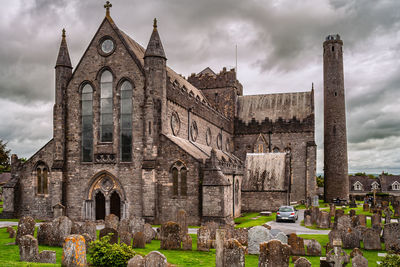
(100, 203)
(115, 204)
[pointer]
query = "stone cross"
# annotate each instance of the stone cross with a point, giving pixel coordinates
(107, 7)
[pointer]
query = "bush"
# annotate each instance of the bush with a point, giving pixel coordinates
(105, 254)
(391, 260)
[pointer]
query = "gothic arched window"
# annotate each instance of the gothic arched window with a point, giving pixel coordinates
(42, 175)
(106, 107)
(179, 179)
(87, 123)
(126, 121)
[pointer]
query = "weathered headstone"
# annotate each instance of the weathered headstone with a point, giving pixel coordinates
(203, 239)
(334, 234)
(337, 256)
(307, 220)
(181, 219)
(343, 223)
(391, 233)
(314, 214)
(28, 248)
(47, 256)
(359, 261)
(274, 253)
(365, 207)
(88, 240)
(355, 252)
(324, 220)
(212, 226)
(241, 235)
(297, 245)
(106, 231)
(187, 242)
(233, 254)
(12, 233)
(155, 259)
(112, 221)
(352, 213)
(376, 220)
(350, 239)
(362, 219)
(352, 203)
(61, 228)
(302, 262)
(388, 215)
(371, 240)
(282, 237)
(136, 224)
(360, 231)
(89, 228)
(332, 210)
(138, 240)
(137, 261)
(257, 235)
(313, 248)
(315, 201)
(26, 226)
(149, 233)
(74, 251)
(44, 233)
(125, 238)
(58, 210)
(338, 213)
(171, 235)
(219, 247)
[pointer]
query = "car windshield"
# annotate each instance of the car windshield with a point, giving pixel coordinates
(285, 209)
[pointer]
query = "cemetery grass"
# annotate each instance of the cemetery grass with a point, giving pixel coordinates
(252, 219)
(315, 227)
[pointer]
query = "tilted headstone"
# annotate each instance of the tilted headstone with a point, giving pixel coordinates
(28, 248)
(307, 220)
(302, 262)
(359, 261)
(171, 235)
(47, 256)
(371, 240)
(241, 235)
(203, 239)
(137, 261)
(106, 231)
(257, 235)
(391, 234)
(138, 240)
(87, 227)
(74, 251)
(233, 253)
(61, 228)
(187, 242)
(350, 239)
(324, 220)
(149, 233)
(297, 245)
(125, 238)
(155, 259)
(112, 221)
(26, 226)
(313, 248)
(181, 219)
(274, 253)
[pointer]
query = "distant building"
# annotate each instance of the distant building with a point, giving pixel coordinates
(361, 185)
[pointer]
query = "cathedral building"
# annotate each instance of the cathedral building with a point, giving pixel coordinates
(134, 138)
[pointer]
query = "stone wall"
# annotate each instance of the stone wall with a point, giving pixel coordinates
(260, 201)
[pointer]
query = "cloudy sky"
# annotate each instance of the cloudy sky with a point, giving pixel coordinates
(279, 50)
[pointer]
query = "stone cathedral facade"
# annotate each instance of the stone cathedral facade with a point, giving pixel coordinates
(133, 138)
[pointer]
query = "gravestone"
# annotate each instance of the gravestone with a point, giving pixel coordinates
(88, 240)
(359, 261)
(138, 240)
(343, 223)
(360, 231)
(44, 233)
(28, 248)
(388, 215)
(297, 245)
(355, 221)
(26, 226)
(89, 228)
(365, 207)
(337, 256)
(112, 221)
(203, 239)
(257, 235)
(314, 214)
(355, 252)
(136, 224)
(332, 210)
(220, 236)
(58, 210)
(155, 259)
(181, 219)
(324, 220)
(187, 242)
(307, 220)
(149, 233)
(282, 237)
(376, 219)
(61, 228)
(302, 262)
(47, 256)
(334, 234)
(274, 253)
(137, 261)
(313, 248)
(125, 238)
(352, 213)
(371, 240)
(74, 251)
(171, 235)
(233, 254)
(12, 233)
(338, 213)
(106, 231)
(123, 225)
(241, 235)
(212, 226)
(391, 233)
(362, 219)
(350, 239)
(315, 201)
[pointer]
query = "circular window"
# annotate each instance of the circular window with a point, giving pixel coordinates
(208, 136)
(175, 123)
(107, 46)
(219, 141)
(194, 131)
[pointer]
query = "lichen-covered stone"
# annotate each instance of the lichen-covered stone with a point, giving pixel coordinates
(44, 233)
(302, 262)
(307, 220)
(112, 221)
(106, 231)
(350, 239)
(47, 256)
(296, 244)
(136, 224)
(181, 219)
(314, 248)
(233, 253)
(61, 228)
(74, 251)
(28, 248)
(171, 235)
(355, 252)
(155, 259)
(187, 242)
(274, 253)
(137, 261)
(371, 240)
(391, 234)
(324, 220)
(125, 238)
(257, 235)
(359, 261)
(241, 235)
(282, 237)
(26, 226)
(203, 239)
(138, 240)
(149, 233)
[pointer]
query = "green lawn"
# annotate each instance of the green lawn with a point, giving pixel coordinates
(252, 219)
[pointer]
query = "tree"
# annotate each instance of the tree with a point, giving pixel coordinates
(4, 157)
(320, 181)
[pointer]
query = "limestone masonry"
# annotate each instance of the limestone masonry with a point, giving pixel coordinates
(133, 138)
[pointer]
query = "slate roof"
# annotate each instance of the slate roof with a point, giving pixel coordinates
(388, 180)
(275, 106)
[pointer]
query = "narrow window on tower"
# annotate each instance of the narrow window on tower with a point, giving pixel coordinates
(333, 48)
(149, 127)
(126, 122)
(106, 107)
(335, 93)
(87, 123)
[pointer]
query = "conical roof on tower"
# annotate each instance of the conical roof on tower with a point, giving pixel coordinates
(154, 47)
(63, 54)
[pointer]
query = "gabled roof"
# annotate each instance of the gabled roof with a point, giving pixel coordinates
(275, 106)
(207, 70)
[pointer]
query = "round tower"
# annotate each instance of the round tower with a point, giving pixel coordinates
(335, 138)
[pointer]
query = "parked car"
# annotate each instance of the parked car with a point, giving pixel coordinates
(287, 213)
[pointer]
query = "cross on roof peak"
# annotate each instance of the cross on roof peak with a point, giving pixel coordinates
(107, 7)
